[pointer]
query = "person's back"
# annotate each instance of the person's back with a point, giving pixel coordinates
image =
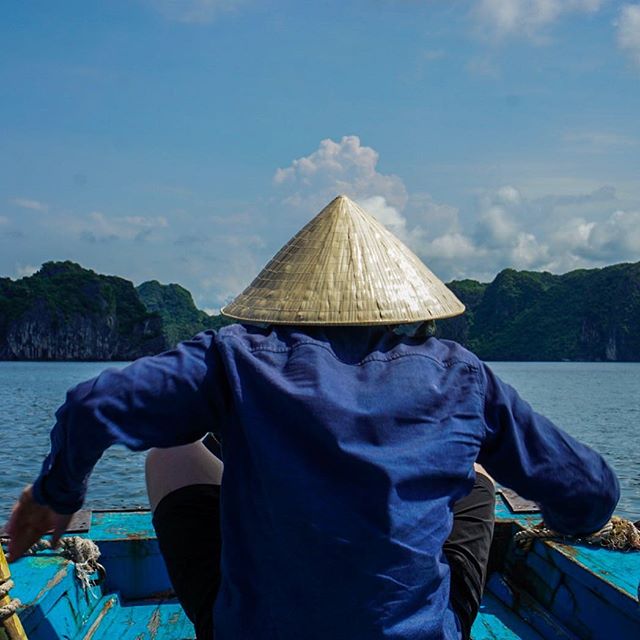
(346, 448)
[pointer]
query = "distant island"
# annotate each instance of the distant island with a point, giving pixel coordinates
(66, 312)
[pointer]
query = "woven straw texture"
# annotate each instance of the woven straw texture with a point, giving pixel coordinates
(344, 267)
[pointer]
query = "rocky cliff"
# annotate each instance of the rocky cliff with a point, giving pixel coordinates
(65, 312)
(181, 319)
(589, 314)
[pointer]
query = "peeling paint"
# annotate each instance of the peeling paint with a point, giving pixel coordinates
(154, 624)
(96, 623)
(57, 578)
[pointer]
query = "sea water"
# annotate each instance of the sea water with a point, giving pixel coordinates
(599, 403)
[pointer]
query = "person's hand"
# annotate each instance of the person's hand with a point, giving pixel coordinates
(29, 521)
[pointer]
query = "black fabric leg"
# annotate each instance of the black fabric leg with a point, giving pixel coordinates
(467, 549)
(187, 523)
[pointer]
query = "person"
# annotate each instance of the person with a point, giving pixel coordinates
(351, 504)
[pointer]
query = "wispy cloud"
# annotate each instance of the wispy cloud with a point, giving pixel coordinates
(500, 19)
(599, 140)
(195, 11)
(97, 227)
(483, 65)
(433, 54)
(628, 31)
(34, 205)
(4, 220)
(191, 239)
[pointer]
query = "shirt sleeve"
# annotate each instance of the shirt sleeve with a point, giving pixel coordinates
(162, 401)
(574, 486)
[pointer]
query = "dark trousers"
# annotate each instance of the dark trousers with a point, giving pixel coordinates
(187, 523)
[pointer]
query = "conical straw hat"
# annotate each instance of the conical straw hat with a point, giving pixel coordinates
(344, 268)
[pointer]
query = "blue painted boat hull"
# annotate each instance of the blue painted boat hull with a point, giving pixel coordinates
(550, 591)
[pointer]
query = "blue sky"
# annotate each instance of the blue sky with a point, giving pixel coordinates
(187, 141)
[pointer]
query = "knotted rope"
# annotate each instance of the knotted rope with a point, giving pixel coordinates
(13, 605)
(84, 553)
(618, 534)
(9, 609)
(5, 587)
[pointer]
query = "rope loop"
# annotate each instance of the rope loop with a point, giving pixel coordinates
(5, 587)
(7, 610)
(84, 553)
(618, 534)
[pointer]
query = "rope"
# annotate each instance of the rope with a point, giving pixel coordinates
(8, 610)
(84, 553)
(12, 606)
(5, 587)
(618, 534)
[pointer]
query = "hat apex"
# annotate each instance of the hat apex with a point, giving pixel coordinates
(344, 268)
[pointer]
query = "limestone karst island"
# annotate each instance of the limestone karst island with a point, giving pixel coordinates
(66, 312)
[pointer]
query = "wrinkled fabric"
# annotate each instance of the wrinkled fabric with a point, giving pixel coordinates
(344, 450)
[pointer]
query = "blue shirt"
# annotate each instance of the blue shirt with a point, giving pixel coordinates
(344, 451)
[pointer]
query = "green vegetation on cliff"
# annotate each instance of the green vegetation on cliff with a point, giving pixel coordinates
(588, 314)
(65, 312)
(181, 319)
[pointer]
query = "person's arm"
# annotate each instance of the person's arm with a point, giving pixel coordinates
(574, 486)
(161, 401)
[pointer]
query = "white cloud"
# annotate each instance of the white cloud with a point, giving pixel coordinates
(628, 26)
(600, 141)
(493, 237)
(194, 11)
(614, 239)
(528, 252)
(496, 227)
(98, 227)
(345, 167)
(389, 216)
(506, 228)
(451, 246)
(508, 195)
(504, 18)
(4, 220)
(24, 271)
(434, 218)
(34, 205)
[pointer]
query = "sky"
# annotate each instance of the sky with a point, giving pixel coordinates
(187, 141)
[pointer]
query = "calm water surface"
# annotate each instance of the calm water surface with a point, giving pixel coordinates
(599, 403)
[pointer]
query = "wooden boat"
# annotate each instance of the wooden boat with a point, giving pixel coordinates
(551, 590)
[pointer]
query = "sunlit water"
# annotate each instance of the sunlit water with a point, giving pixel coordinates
(599, 403)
